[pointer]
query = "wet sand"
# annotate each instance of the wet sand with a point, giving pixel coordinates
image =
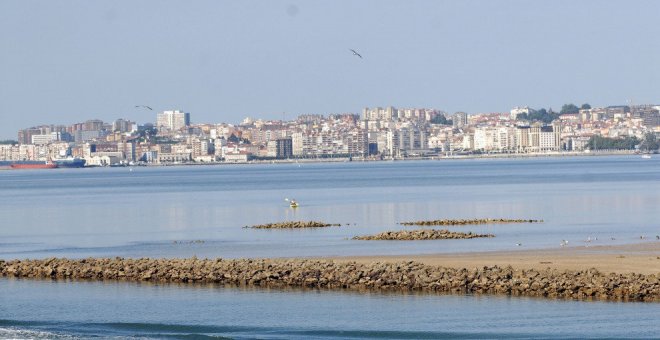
(642, 258)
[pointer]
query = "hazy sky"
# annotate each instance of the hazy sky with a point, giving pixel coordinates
(64, 61)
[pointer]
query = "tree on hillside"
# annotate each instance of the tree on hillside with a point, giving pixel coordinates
(235, 139)
(585, 106)
(441, 119)
(540, 115)
(569, 108)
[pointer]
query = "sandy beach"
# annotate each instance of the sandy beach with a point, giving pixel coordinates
(641, 258)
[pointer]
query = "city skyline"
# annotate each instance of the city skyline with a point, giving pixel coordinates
(224, 61)
(154, 116)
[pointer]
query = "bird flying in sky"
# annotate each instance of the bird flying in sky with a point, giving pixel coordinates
(355, 53)
(147, 107)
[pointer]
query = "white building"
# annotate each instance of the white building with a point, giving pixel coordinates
(298, 142)
(45, 139)
(516, 111)
(484, 138)
(172, 120)
(380, 113)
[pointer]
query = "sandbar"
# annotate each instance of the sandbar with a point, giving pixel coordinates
(640, 258)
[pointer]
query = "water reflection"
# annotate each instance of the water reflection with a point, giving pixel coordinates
(78, 210)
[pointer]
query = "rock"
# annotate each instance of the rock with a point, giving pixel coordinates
(410, 276)
(469, 222)
(422, 234)
(294, 224)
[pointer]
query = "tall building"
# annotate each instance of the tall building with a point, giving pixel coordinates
(93, 125)
(538, 138)
(284, 148)
(522, 138)
(297, 141)
(172, 120)
(460, 119)
(122, 125)
(25, 135)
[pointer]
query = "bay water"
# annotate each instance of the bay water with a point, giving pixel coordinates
(185, 211)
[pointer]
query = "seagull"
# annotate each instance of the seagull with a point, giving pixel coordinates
(355, 53)
(145, 106)
(519, 244)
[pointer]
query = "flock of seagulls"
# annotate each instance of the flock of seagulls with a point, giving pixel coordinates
(589, 239)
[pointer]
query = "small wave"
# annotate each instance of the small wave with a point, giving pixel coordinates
(120, 330)
(20, 333)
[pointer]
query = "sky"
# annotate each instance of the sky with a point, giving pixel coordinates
(63, 62)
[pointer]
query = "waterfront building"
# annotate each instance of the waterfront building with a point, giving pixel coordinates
(505, 138)
(500, 138)
(271, 149)
(237, 157)
(406, 139)
(522, 138)
(468, 141)
(484, 138)
(538, 138)
(297, 142)
(284, 148)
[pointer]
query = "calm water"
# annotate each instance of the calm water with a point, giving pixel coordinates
(141, 212)
(84, 309)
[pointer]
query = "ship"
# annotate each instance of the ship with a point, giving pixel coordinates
(32, 165)
(70, 162)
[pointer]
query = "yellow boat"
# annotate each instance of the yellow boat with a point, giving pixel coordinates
(292, 203)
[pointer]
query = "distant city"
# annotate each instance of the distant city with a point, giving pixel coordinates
(378, 133)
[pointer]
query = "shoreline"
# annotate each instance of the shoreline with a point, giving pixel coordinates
(439, 157)
(578, 273)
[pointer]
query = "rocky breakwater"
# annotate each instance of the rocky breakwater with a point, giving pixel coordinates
(423, 234)
(408, 276)
(294, 225)
(469, 222)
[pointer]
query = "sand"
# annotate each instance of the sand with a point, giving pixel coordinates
(642, 258)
